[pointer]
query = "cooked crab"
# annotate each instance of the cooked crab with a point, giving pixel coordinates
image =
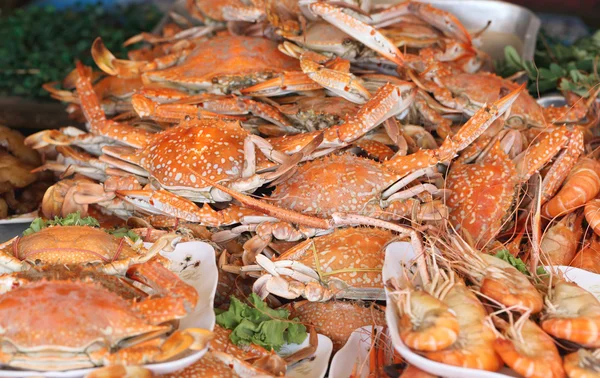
(50, 321)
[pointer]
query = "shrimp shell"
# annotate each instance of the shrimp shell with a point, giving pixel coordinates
(582, 184)
(592, 214)
(582, 364)
(529, 351)
(573, 314)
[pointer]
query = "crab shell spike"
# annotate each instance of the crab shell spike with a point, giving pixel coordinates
(364, 33)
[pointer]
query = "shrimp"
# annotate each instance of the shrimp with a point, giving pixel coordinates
(474, 347)
(527, 349)
(592, 214)
(589, 257)
(494, 277)
(426, 323)
(414, 372)
(572, 313)
(581, 185)
(583, 364)
(560, 242)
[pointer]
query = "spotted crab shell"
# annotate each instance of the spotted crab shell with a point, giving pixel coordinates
(228, 62)
(344, 249)
(337, 319)
(62, 317)
(340, 183)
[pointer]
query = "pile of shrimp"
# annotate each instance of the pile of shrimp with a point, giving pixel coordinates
(474, 310)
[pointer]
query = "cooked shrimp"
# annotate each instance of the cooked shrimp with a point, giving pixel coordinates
(426, 323)
(560, 242)
(583, 364)
(572, 313)
(581, 185)
(495, 278)
(589, 257)
(474, 345)
(592, 214)
(527, 349)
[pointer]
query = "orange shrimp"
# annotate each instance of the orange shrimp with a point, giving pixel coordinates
(592, 214)
(426, 323)
(589, 257)
(494, 277)
(572, 313)
(560, 242)
(581, 185)
(527, 349)
(474, 346)
(583, 364)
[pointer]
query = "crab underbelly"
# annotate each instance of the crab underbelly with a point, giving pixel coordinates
(57, 361)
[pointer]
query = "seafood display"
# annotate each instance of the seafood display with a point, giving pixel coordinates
(301, 140)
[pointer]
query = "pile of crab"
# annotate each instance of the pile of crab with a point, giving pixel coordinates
(301, 137)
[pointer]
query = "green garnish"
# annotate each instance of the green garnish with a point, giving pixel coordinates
(258, 324)
(503, 254)
(124, 232)
(41, 44)
(574, 66)
(75, 219)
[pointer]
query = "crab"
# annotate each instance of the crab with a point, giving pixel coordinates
(220, 65)
(42, 331)
(484, 193)
(77, 245)
(337, 319)
(347, 183)
(346, 263)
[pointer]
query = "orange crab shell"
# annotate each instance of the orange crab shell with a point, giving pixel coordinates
(61, 317)
(486, 88)
(232, 61)
(70, 245)
(207, 367)
(343, 250)
(209, 147)
(339, 183)
(482, 195)
(337, 319)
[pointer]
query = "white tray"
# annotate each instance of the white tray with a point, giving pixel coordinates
(314, 367)
(22, 218)
(195, 263)
(355, 351)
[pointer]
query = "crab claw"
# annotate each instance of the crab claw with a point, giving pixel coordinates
(359, 30)
(107, 62)
(180, 341)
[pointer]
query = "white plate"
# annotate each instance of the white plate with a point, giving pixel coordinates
(195, 263)
(22, 218)
(355, 351)
(314, 367)
(396, 255)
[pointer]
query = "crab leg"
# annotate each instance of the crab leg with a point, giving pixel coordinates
(163, 202)
(343, 84)
(289, 82)
(359, 30)
(470, 131)
(442, 20)
(97, 119)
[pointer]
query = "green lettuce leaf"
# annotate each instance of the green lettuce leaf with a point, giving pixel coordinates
(258, 324)
(503, 254)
